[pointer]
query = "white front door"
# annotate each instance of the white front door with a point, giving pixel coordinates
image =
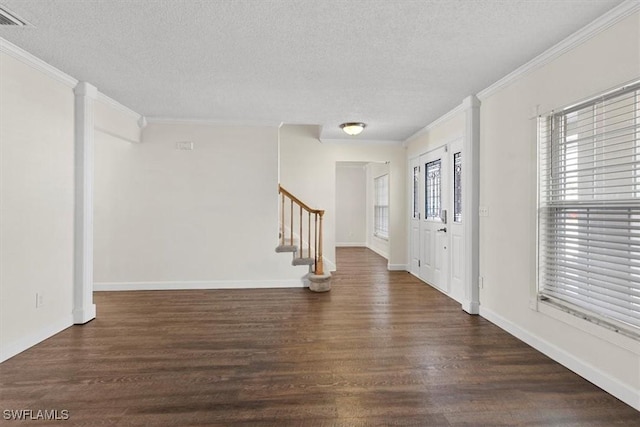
(435, 210)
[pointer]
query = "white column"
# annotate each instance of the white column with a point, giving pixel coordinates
(471, 203)
(84, 309)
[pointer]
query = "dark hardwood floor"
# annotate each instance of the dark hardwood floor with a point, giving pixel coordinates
(380, 349)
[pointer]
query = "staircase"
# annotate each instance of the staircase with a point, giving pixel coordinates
(301, 235)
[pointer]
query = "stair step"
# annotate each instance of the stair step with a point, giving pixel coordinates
(287, 248)
(303, 261)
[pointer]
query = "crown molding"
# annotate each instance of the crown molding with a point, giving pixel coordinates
(455, 111)
(86, 89)
(36, 63)
(118, 106)
(600, 24)
(217, 122)
(60, 76)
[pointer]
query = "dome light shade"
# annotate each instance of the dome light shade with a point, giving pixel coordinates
(352, 128)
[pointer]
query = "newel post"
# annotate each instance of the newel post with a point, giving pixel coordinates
(320, 265)
(319, 281)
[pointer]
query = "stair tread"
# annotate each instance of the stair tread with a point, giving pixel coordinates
(287, 248)
(303, 261)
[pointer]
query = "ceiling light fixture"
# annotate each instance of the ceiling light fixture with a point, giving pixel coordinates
(352, 128)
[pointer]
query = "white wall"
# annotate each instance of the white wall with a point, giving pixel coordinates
(444, 132)
(351, 208)
(308, 170)
(375, 243)
(36, 205)
(167, 218)
(508, 190)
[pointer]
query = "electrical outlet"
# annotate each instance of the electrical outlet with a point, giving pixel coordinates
(481, 282)
(39, 300)
(483, 211)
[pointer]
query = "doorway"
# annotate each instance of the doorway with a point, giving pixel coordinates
(363, 205)
(436, 219)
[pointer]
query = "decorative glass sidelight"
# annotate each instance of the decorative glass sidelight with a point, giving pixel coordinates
(433, 190)
(457, 187)
(416, 190)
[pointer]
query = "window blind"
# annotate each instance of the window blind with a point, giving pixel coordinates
(589, 209)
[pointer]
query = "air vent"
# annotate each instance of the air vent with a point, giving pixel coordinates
(10, 19)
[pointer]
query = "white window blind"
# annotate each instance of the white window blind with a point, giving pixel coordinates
(381, 207)
(589, 209)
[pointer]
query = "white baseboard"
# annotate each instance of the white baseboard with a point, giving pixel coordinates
(397, 267)
(212, 284)
(603, 380)
(470, 307)
(82, 316)
(329, 265)
(379, 252)
(351, 245)
(24, 343)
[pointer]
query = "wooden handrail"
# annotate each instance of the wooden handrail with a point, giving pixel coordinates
(318, 214)
(300, 203)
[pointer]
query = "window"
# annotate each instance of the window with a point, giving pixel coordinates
(416, 192)
(457, 187)
(381, 207)
(589, 209)
(433, 194)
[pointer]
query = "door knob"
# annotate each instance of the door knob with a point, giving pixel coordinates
(443, 229)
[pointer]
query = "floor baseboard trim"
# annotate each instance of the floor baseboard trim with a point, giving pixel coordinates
(212, 284)
(601, 379)
(379, 252)
(84, 315)
(397, 267)
(471, 307)
(25, 343)
(351, 245)
(329, 265)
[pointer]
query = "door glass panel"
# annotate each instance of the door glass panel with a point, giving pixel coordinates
(457, 187)
(416, 189)
(433, 193)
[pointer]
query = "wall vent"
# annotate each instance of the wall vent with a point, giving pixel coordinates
(10, 19)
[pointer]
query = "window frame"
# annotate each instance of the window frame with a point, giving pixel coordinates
(457, 185)
(381, 207)
(567, 192)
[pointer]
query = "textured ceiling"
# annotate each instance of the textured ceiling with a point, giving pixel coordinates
(396, 65)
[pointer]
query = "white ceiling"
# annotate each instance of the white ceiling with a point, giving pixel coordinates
(396, 65)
